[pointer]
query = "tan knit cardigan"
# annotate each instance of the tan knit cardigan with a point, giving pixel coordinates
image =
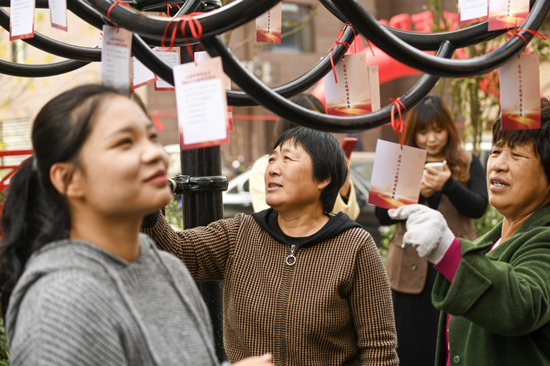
(333, 307)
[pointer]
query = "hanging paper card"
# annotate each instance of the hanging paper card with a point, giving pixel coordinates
(226, 83)
(374, 84)
(268, 25)
(349, 93)
(201, 104)
(504, 14)
(470, 11)
(519, 89)
(58, 13)
(21, 19)
(141, 75)
(172, 57)
(115, 58)
(396, 175)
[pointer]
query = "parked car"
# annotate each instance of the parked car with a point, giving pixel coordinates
(237, 198)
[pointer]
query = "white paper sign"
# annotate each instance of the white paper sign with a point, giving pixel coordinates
(226, 81)
(471, 9)
(141, 74)
(201, 111)
(201, 104)
(21, 19)
(58, 13)
(116, 58)
(226, 84)
(172, 57)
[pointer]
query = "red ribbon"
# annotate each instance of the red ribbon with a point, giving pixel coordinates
(338, 41)
(180, 22)
(397, 124)
(196, 31)
(511, 33)
(115, 4)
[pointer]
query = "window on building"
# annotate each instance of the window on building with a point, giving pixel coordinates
(297, 29)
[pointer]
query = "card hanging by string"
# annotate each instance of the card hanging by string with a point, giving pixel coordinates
(358, 36)
(337, 42)
(397, 124)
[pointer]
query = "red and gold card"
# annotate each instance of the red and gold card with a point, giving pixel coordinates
(520, 93)
(269, 25)
(349, 93)
(507, 14)
(396, 175)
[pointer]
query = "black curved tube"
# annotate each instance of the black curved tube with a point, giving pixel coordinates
(53, 46)
(39, 71)
(142, 51)
(226, 18)
(238, 98)
(431, 41)
(286, 109)
(401, 51)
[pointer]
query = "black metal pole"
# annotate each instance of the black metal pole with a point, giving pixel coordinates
(202, 208)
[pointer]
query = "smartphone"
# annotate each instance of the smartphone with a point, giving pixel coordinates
(438, 165)
(348, 144)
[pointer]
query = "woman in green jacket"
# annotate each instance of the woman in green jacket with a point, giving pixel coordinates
(494, 293)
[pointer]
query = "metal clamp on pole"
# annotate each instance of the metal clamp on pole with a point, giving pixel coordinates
(187, 184)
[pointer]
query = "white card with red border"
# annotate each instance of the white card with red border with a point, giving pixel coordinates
(172, 57)
(116, 61)
(201, 104)
(226, 83)
(21, 19)
(58, 14)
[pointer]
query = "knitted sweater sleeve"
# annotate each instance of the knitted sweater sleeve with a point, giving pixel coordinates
(372, 308)
(205, 250)
(66, 319)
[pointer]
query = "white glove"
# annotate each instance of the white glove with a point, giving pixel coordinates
(427, 230)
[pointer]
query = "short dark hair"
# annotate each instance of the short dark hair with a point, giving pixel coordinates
(539, 138)
(327, 157)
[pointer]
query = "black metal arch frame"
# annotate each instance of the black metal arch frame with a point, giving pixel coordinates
(404, 46)
(403, 52)
(284, 108)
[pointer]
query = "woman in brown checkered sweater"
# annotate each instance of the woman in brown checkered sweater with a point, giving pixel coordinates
(306, 286)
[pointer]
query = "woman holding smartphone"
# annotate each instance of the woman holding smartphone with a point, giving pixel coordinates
(454, 184)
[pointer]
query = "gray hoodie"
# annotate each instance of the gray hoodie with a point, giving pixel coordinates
(77, 304)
